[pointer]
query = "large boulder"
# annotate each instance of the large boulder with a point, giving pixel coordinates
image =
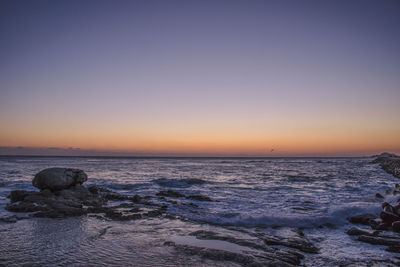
(58, 178)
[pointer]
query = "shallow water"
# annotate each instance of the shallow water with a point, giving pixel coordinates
(316, 194)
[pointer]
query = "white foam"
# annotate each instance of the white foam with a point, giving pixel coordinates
(336, 216)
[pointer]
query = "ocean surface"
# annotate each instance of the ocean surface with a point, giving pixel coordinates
(313, 194)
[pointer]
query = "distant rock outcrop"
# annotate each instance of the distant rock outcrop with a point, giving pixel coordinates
(58, 178)
(389, 163)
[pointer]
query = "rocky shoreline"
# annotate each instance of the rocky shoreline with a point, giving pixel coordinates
(62, 194)
(385, 229)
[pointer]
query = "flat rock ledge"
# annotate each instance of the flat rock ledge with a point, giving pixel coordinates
(257, 249)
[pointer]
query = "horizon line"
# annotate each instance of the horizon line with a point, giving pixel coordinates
(177, 157)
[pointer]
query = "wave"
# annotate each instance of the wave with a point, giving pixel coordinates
(335, 217)
(181, 183)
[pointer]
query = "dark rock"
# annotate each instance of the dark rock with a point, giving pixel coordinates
(300, 243)
(389, 163)
(24, 207)
(288, 256)
(228, 256)
(18, 195)
(97, 209)
(387, 207)
(37, 197)
(93, 189)
(389, 217)
(58, 178)
(170, 193)
(75, 192)
(396, 226)
(359, 231)
(379, 240)
(384, 226)
(379, 195)
(199, 198)
(255, 251)
(362, 219)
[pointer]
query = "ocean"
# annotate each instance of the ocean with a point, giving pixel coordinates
(271, 195)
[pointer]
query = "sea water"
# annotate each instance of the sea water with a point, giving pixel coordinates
(316, 195)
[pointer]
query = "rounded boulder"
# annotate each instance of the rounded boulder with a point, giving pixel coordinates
(58, 178)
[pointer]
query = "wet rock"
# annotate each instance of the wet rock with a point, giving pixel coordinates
(362, 219)
(374, 223)
(38, 197)
(387, 207)
(75, 192)
(287, 256)
(228, 256)
(379, 195)
(199, 198)
(58, 178)
(379, 240)
(24, 207)
(383, 226)
(95, 190)
(359, 231)
(300, 244)
(170, 193)
(18, 195)
(396, 226)
(389, 217)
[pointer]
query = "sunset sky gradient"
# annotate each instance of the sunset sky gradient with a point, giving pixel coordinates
(200, 78)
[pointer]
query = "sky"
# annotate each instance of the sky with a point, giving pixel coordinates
(200, 78)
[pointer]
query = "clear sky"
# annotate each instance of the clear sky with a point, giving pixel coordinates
(254, 78)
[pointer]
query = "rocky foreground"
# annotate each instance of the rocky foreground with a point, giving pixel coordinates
(385, 229)
(62, 194)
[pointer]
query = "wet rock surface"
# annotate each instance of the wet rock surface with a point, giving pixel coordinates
(389, 217)
(248, 249)
(362, 219)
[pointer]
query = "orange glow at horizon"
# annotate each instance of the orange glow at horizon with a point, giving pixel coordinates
(211, 139)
